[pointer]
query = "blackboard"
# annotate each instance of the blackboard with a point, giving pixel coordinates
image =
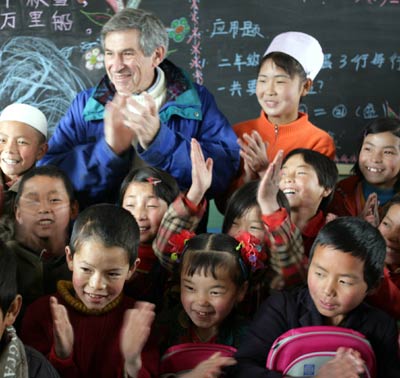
(48, 47)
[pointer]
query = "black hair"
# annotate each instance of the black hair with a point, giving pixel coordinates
(395, 200)
(48, 171)
(8, 277)
(376, 126)
(245, 198)
(324, 167)
(289, 64)
(204, 253)
(112, 225)
(359, 238)
(165, 186)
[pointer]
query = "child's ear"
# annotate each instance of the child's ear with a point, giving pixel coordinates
(42, 150)
(306, 87)
(326, 192)
(132, 269)
(13, 311)
(69, 258)
(74, 209)
(242, 291)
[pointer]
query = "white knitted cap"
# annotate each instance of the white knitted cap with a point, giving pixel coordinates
(302, 47)
(26, 114)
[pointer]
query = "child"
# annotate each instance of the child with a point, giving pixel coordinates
(271, 230)
(308, 179)
(286, 73)
(214, 273)
(346, 263)
(23, 141)
(16, 359)
(376, 172)
(146, 193)
(89, 328)
(45, 207)
(268, 220)
(387, 296)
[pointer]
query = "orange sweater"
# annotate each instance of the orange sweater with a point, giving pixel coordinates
(298, 134)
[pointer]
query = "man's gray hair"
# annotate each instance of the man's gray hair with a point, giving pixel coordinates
(153, 33)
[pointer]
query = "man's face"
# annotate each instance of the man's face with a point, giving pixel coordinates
(127, 67)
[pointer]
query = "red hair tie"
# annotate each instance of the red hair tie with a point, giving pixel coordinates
(177, 243)
(251, 251)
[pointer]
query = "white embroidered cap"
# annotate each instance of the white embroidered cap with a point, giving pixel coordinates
(302, 47)
(26, 114)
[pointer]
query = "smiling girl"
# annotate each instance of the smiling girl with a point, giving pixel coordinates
(146, 193)
(376, 173)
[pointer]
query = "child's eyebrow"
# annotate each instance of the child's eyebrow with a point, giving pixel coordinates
(148, 197)
(93, 266)
(394, 147)
(278, 75)
(349, 275)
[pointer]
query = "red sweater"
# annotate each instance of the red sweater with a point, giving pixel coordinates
(96, 351)
(387, 297)
(348, 199)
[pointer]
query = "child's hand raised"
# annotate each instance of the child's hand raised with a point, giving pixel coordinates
(210, 368)
(269, 186)
(253, 151)
(201, 173)
(347, 363)
(370, 212)
(134, 334)
(62, 329)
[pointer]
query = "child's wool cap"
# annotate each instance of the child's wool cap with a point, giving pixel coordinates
(302, 47)
(26, 114)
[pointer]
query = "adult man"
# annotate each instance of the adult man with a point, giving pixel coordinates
(93, 142)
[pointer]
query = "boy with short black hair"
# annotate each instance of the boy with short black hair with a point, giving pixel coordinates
(89, 328)
(346, 263)
(308, 179)
(16, 359)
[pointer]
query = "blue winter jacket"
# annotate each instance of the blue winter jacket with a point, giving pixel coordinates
(79, 148)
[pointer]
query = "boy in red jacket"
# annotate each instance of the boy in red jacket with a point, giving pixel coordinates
(89, 328)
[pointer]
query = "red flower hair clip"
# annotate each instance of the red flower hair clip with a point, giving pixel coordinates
(251, 251)
(177, 243)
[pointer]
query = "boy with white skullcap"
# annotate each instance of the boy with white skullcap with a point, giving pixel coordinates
(286, 73)
(23, 141)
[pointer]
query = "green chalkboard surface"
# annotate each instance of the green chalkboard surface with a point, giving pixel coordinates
(50, 50)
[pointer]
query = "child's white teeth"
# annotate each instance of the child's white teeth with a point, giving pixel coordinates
(288, 191)
(45, 222)
(374, 170)
(94, 296)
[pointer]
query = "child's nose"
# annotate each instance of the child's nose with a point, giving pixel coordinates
(329, 289)
(377, 157)
(140, 212)
(44, 207)
(202, 299)
(270, 88)
(96, 282)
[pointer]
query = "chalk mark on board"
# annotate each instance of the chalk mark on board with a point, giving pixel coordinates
(35, 71)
